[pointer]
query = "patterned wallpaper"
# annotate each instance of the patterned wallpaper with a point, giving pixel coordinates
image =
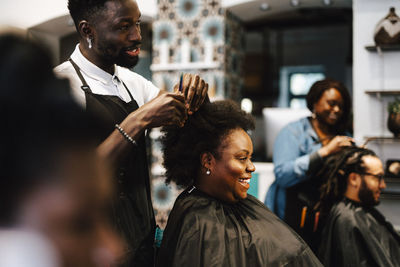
(192, 20)
(197, 22)
(205, 26)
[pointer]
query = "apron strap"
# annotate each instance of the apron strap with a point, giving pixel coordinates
(85, 87)
(130, 95)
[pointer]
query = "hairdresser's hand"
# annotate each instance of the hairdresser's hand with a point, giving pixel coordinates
(165, 109)
(335, 145)
(195, 91)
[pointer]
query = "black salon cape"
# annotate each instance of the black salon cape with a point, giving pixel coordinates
(204, 232)
(358, 236)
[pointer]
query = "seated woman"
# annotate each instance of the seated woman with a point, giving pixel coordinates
(214, 222)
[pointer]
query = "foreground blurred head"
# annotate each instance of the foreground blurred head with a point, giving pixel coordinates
(51, 180)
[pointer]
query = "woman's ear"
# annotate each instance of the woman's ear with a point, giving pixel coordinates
(313, 114)
(206, 160)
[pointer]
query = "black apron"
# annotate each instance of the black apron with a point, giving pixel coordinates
(133, 214)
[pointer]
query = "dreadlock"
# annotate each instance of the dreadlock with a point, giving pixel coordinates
(336, 169)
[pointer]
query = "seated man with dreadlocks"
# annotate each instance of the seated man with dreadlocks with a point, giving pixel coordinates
(355, 233)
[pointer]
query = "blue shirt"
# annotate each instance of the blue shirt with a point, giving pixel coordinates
(296, 145)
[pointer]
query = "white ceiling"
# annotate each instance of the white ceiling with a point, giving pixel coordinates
(249, 11)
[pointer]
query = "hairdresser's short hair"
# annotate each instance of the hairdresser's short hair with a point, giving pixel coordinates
(85, 9)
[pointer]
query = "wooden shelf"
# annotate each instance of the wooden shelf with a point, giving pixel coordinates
(381, 139)
(383, 92)
(392, 187)
(185, 66)
(380, 93)
(392, 180)
(383, 48)
(390, 196)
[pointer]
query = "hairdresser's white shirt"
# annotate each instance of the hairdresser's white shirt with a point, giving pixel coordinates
(103, 83)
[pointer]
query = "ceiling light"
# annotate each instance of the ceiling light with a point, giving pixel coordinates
(70, 22)
(327, 2)
(246, 105)
(264, 6)
(295, 2)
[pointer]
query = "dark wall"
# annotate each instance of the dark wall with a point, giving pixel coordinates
(270, 49)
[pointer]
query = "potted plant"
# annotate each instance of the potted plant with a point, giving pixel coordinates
(394, 117)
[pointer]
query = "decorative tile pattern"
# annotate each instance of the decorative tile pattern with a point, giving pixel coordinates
(164, 31)
(194, 20)
(195, 55)
(165, 80)
(188, 9)
(212, 28)
(163, 195)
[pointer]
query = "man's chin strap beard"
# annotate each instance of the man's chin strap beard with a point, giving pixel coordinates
(366, 196)
(127, 64)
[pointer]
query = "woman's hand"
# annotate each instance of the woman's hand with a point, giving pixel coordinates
(335, 145)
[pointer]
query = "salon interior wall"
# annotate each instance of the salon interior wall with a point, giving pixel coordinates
(373, 72)
(23, 14)
(180, 32)
(272, 48)
(327, 46)
(234, 56)
(190, 32)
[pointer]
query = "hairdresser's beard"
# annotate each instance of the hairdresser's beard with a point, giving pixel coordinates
(366, 195)
(129, 63)
(117, 55)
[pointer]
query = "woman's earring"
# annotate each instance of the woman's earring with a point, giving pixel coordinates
(208, 172)
(313, 115)
(89, 42)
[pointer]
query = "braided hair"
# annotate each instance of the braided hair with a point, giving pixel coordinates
(335, 171)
